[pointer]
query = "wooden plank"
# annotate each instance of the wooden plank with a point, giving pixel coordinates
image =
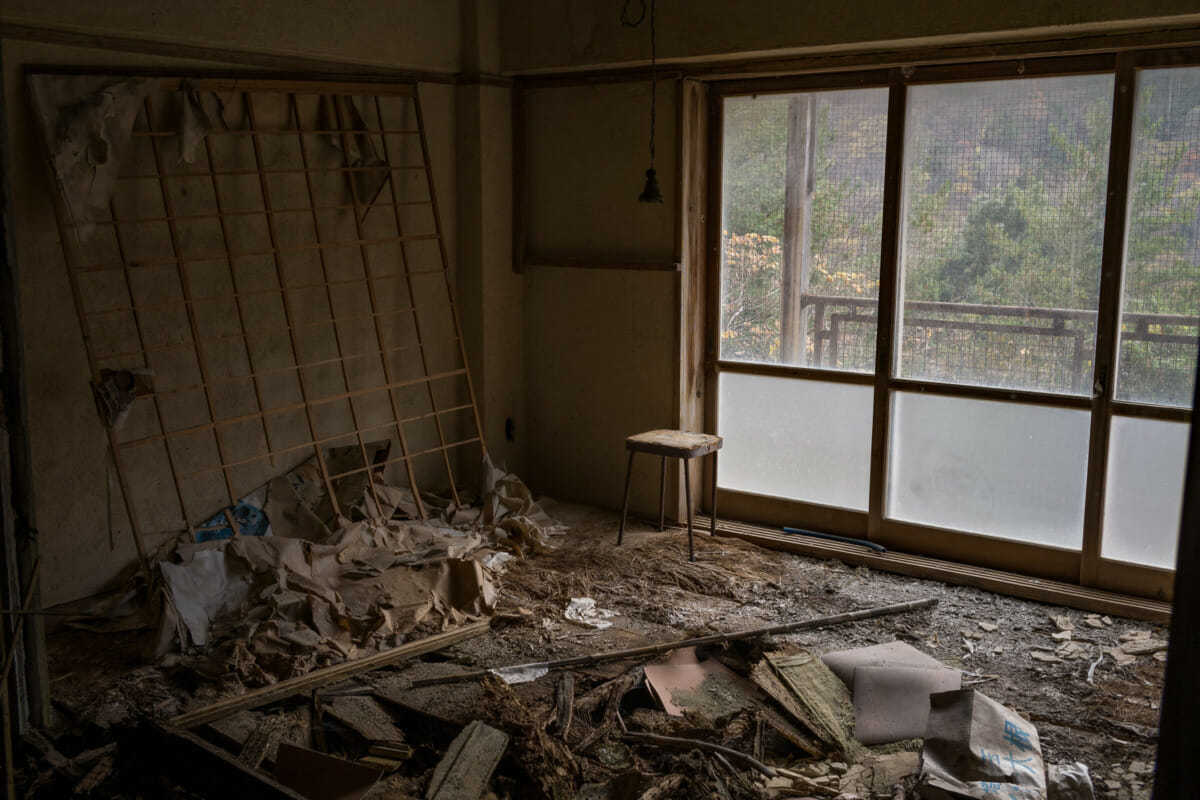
(792, 371)
(322, 677)
(519, 175)
(465, 769)
(1108, 326)
(441, 240)
(991, 393)
(206, 768)
(693, 198)
(371, 78)
(1158, 38)
(600, 263)
(889, 298)
(1007, 583)
(1176, 775)
(797, 218)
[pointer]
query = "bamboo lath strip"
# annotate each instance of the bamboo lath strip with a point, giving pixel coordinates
(306, 445)
(337, 335)
(261, 292)
(294, 367)
(249, 172)
(158, 412)
(437, 221)
(258, 212)
(277, 329)
(228, 306)
(270, 251)
(384, 361)
(193, 326)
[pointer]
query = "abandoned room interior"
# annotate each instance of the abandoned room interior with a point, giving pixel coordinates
(463, 399)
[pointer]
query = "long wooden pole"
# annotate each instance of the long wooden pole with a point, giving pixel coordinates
(664, 647)
(321, 677)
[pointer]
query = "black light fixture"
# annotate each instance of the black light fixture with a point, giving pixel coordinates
(652, 193)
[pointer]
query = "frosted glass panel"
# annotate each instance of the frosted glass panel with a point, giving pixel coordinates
(1000, 469)
(798, 439)
(1144, 490)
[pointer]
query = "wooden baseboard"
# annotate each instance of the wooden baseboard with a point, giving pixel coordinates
(992, 580)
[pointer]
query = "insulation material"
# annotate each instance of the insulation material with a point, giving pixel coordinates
(509, 505)
(976, 748)
(87, 120)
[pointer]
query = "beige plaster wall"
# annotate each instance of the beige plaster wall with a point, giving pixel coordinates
(599, 366)
(85, 538)
(540, 35)
(600, 357)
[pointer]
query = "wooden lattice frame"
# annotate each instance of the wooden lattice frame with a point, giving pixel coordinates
(413, 360)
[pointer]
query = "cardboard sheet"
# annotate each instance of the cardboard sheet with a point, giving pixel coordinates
(892, 703)
(318, 776)
(895, 654)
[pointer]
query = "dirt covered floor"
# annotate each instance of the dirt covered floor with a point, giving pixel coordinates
(1035, 658)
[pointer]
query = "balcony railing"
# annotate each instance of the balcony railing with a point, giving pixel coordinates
(1045, 349)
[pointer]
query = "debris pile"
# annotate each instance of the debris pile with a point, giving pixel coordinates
(744, 714)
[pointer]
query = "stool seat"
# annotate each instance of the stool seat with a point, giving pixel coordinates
(678, 444)
(684, 445)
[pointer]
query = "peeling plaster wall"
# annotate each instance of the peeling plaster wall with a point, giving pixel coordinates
(85, 539)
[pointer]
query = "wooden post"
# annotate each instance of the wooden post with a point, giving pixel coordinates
(798, 191)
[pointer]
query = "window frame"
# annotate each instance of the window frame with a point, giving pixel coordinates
(1085, 567)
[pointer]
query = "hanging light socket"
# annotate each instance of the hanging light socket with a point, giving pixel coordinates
(653, 192)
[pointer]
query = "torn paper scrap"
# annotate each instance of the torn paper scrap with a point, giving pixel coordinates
(87, 121)
(976, 748)
(1069, 782)
(522, 673)
(194, 124)
(204, 587)
(583, 611)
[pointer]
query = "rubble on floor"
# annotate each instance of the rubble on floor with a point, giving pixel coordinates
(681, 695)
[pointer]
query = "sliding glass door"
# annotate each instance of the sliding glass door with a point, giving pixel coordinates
(958, 310)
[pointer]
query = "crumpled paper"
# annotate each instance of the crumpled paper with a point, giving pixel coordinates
(268, 607)
(583, 611)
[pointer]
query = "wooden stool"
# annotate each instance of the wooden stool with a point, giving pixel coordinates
(676, 444)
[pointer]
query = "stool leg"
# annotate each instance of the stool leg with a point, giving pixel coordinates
(662, 495)
(625, 505)
(713, 531)
(687, 499)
